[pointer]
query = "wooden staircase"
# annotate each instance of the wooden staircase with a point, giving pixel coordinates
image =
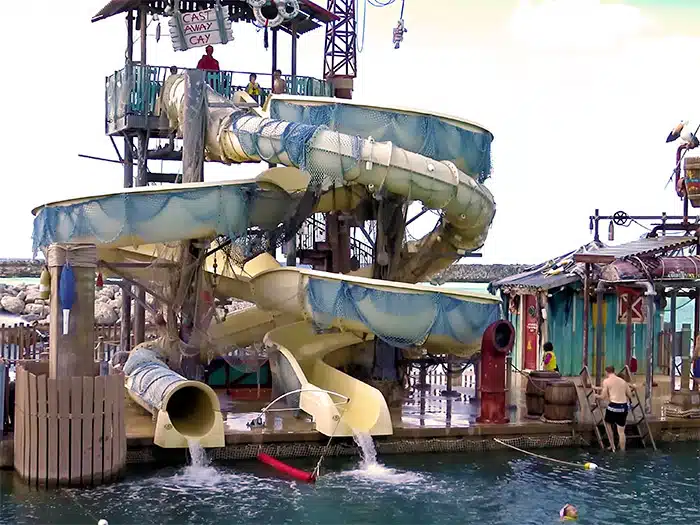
(637, 424)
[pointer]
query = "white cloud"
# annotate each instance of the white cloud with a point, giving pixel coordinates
(575, 24)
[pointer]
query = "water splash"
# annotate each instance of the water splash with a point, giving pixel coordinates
(199, 472)
(368, 452)
(198, 456)
(372, 470)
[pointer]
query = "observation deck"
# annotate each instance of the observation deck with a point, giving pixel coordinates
(132, 94)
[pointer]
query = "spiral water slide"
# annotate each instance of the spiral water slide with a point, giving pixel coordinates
(350, 147)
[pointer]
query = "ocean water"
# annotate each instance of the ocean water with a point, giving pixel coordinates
(498, 488)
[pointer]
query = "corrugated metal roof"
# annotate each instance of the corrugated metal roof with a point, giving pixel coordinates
(564, 270)
(551, 274)
(648, 246)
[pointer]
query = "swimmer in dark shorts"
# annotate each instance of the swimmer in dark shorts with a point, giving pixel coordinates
(616, 414)
(617, 391)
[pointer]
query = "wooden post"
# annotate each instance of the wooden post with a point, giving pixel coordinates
(586, 312)
(684, 353)
(674, 339)
(599, 338)
(72, 354)
(628, 332)
(125, 326)
(650, 354)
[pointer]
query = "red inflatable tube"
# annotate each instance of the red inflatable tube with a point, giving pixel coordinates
(295, 473)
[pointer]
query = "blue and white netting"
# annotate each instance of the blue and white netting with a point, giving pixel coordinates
(214, 210)
(400, 319)
(426, 135)
(325, 166)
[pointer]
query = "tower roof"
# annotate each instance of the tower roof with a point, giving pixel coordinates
(310, 15)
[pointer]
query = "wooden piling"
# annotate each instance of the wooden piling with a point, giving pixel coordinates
(68, 433)
(71, 355)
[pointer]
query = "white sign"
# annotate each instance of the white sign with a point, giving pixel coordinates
(199, 29)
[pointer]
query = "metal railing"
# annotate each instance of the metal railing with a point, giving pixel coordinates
(135, 90)
(313, 230)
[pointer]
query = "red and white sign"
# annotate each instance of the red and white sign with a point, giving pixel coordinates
(633, 301)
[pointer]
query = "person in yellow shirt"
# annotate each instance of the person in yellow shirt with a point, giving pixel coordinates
(253, 88)
(568, 513)
(549, 360)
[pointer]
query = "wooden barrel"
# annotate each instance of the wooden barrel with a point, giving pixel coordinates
(534, 392)
(692, 180)
(560, 400)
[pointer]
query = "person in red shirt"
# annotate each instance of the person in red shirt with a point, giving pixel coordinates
(208, 62)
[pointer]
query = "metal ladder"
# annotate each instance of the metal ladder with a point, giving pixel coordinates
(639, 424)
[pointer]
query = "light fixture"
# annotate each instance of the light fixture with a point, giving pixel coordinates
(611, 231)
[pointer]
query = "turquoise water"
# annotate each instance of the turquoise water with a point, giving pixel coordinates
(499, 488)
(19, 280)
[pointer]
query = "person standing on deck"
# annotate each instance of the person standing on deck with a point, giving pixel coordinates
(208, 62)
(253, 88)
(279, 86)
(549, 359)
(617, 391)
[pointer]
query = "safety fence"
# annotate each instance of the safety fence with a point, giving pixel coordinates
(135, 90)
(23, 341)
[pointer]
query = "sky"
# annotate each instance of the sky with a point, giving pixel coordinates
(579, 94)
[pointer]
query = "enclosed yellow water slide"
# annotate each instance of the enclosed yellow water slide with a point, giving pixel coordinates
(131, 225)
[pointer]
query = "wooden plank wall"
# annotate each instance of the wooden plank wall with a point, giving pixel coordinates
(69, 431)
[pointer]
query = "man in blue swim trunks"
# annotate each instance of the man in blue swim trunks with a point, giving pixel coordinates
(617, 391)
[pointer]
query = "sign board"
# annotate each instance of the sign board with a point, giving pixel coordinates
(199, 29)
(635, 301)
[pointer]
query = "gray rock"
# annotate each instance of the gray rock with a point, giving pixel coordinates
(104, 314)
(22, 295)
(14, 305)
(33, 295)
(35, 309)
(31, 318)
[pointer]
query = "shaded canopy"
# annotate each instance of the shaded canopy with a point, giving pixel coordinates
(310, 17)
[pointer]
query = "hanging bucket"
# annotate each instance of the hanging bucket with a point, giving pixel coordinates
(295, 473)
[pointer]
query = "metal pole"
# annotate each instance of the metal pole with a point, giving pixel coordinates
(294, 54)
(143, 15)
(650, 353)
(596, 219)
(274, 54)
(586, 312)
(600, 298)
(674, 339)
(129, 38)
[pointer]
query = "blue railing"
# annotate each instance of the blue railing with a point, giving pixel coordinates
(135, 91)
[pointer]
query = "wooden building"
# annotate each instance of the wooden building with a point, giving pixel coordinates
(546, 303)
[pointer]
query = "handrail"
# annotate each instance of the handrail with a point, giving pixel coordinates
(146, 81)
(363, 250)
